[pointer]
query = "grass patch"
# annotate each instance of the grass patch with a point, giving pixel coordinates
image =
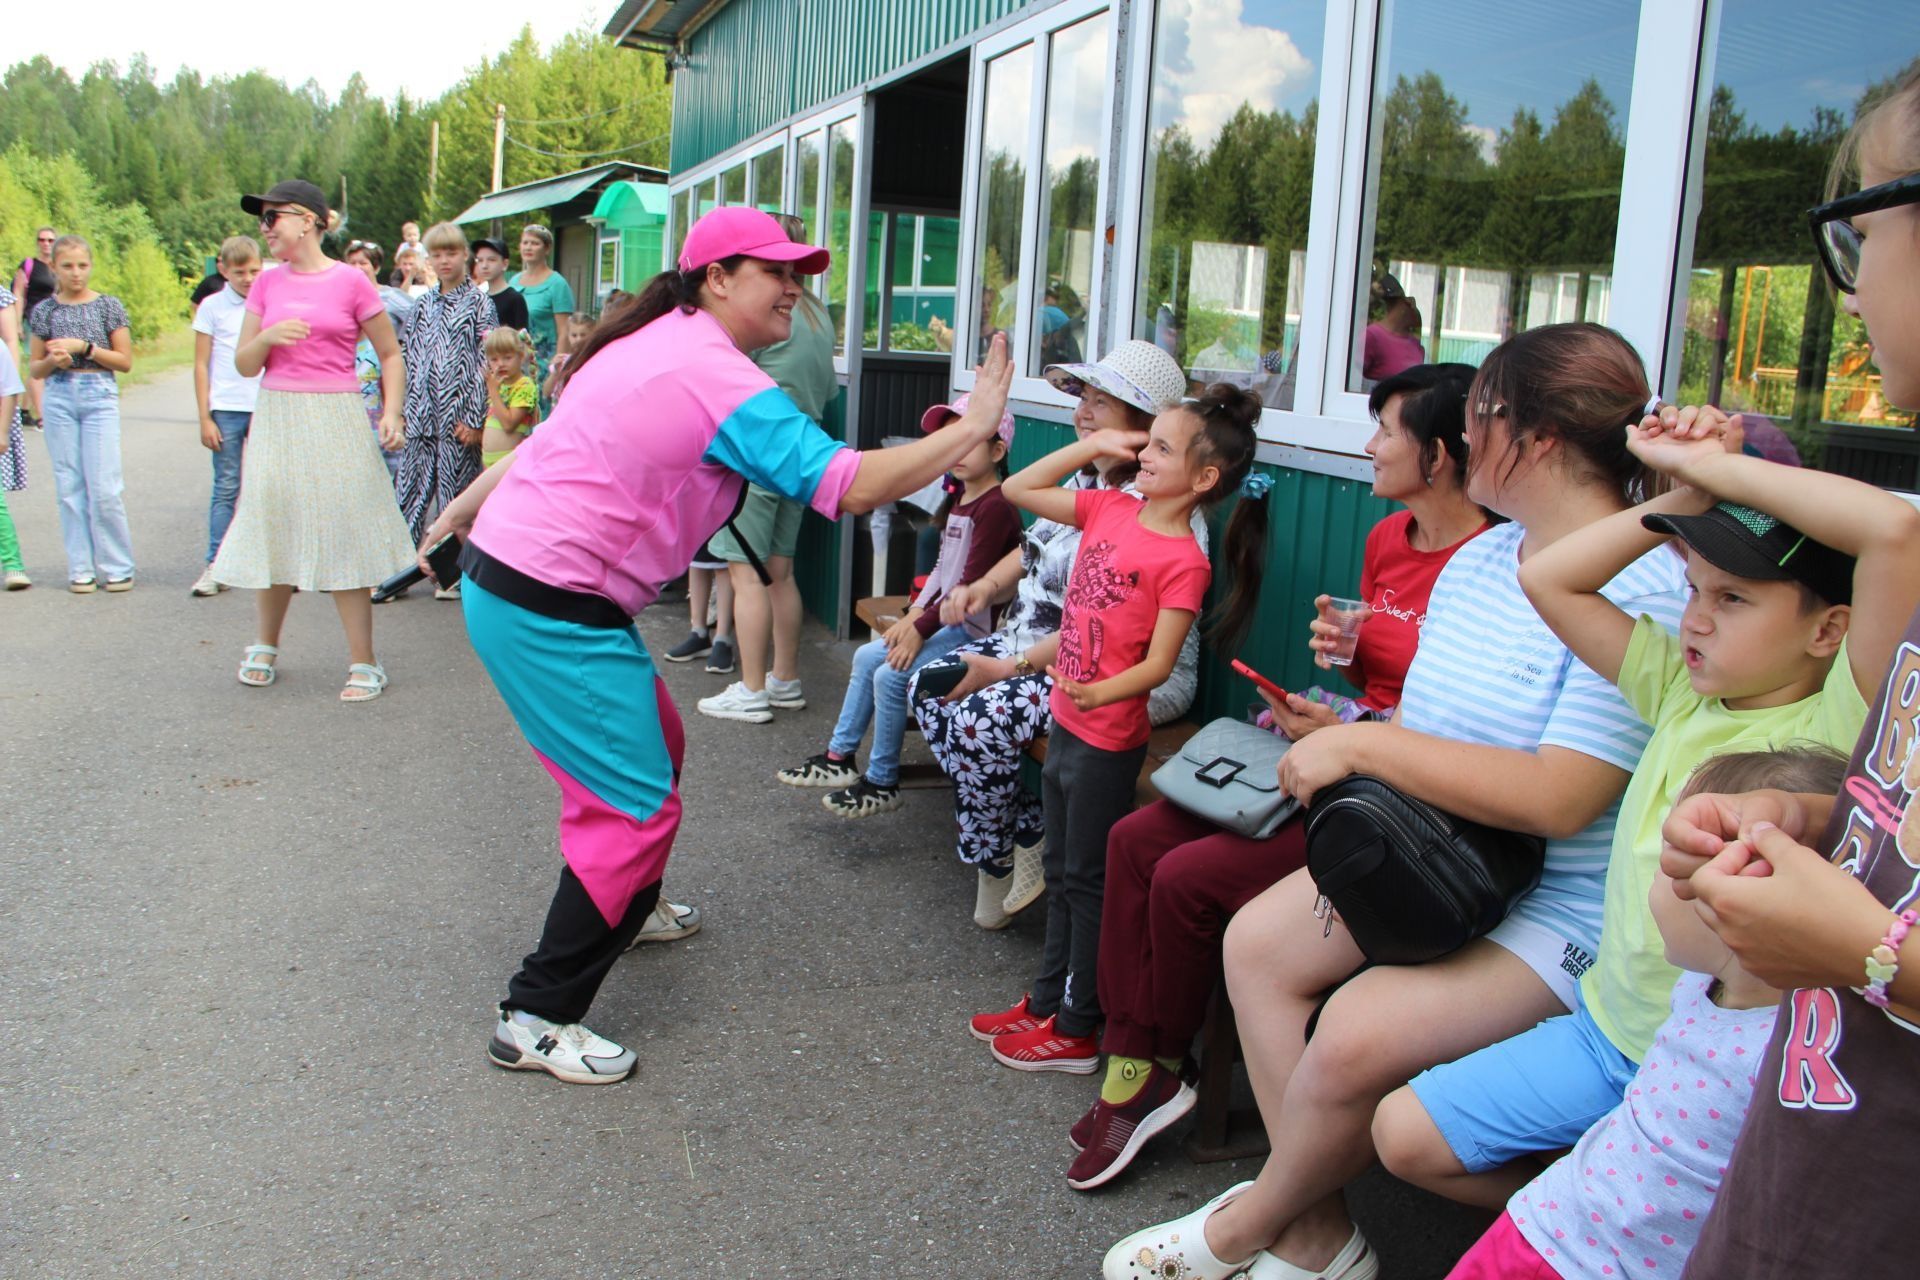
(171, 350)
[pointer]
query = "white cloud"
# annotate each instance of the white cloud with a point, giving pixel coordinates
(1212, 60)
(415, 48)
(1486, 138)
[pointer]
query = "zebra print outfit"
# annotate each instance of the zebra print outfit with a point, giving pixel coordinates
(446, 384)
(13, 448)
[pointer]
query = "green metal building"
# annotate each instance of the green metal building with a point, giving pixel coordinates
(1231, 178)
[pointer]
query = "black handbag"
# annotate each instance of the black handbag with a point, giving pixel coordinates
(1412, 883)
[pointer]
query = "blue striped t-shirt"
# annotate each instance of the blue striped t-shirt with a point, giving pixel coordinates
(1489, 671)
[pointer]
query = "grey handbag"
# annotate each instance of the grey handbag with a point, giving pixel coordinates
(1228, 773)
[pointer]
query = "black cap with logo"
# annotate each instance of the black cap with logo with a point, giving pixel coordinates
(1752, 544)
(292, 191)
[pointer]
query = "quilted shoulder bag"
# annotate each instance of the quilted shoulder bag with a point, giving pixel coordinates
(1412, 883)
(1229, 774)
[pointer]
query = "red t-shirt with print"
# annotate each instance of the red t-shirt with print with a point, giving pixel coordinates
(1123, 576)
(1397, 581)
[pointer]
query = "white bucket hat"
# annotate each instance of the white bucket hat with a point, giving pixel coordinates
(1135, 372)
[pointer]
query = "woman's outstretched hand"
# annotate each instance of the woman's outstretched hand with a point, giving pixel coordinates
(992, 380)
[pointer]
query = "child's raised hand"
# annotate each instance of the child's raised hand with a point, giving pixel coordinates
(1674, 452)
(1111, 442)
(1080, 695)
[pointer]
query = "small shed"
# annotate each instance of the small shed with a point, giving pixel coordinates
(571, 202)
(632, 221)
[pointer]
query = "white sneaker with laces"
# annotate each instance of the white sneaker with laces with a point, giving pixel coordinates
(668, 922)
(567, 1052)
(737, 702)
(1029, 878)
(206, 586)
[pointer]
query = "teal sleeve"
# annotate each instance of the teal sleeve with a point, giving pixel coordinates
(563, 296)
(770, 442)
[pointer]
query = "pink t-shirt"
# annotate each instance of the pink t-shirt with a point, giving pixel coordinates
(1123, 576)
(1385, 353)
(643, 459)
(335, 302)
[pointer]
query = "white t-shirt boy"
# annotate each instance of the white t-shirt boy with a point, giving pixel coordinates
(220, 317)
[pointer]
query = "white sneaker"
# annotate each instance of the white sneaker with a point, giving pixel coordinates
(1029, 878)
(447, 593)
(570, 1052)
(206, 586)
(667, 922)
(987, 897)
(785, 695)
(737, 702)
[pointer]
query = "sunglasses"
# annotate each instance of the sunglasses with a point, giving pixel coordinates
(272, 216)
(1836, 240)
(357, 245)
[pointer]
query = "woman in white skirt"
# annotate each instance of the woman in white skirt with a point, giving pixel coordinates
(317, 510)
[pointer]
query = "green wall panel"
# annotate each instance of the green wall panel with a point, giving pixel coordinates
(759, 62)
(816, 562)
(1316, 530)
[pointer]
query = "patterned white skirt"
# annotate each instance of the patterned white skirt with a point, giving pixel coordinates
(317, 509)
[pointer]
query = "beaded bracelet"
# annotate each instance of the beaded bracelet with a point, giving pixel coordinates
(1883, 962)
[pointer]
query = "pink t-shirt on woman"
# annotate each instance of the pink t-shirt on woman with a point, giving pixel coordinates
(334, 302)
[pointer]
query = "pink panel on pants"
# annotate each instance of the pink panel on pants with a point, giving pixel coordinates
(1503, 1253)
(614, 853)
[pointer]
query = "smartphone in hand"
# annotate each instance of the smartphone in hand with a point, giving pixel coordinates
(1272, 688)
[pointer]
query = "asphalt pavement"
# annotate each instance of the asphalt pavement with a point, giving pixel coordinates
(253, 939)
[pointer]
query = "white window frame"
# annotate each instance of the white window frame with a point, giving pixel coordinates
(603, 238)
(1039, 32)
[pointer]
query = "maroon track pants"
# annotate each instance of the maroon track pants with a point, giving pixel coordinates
(1173, 882)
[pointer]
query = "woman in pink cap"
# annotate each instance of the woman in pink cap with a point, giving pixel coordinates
(568, 537)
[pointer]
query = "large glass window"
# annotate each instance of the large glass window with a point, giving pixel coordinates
(769, 179)
(1760, 332)
(682, 208)
(1001, 214)
(840, 164)
(920, 253)
(1229, 181)
(1077, 77)
(733, 185)
(1493, 175)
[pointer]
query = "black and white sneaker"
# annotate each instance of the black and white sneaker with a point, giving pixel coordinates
(720, 660)
(567, 1052)
(820, 771)
(862, 800)
(698, 644)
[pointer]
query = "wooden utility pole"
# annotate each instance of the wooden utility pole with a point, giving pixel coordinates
(499, 141)
(433, 161)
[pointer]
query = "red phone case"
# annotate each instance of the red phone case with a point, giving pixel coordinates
(1258, 679)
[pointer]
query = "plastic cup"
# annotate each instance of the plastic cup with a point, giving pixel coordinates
(1349, 615)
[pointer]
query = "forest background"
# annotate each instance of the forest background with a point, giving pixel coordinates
(152, 172)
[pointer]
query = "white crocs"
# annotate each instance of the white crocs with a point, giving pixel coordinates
(1355, 1261)
(1176, 1249)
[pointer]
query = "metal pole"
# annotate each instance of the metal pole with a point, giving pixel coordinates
(499, 141)
(433, 161)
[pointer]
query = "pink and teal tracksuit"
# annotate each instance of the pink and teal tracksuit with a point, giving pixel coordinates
(641, 462)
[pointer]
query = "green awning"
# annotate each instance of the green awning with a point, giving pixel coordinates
(546, 193)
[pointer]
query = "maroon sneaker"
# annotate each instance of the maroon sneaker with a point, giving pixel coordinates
(1046, 1049)
(985, 1026)
(1118, 1132)
(1082, 1132)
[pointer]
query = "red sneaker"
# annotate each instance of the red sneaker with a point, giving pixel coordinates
(985, 1026)
(1045, 1049)
(1118, 1132)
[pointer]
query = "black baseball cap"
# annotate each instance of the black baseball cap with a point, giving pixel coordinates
(489, 242)
(1751, 544)
(292, 191)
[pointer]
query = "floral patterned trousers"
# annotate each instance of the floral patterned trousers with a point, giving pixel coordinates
(980, 741)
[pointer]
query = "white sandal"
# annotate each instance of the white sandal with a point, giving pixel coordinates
(365, 682)
(250, 661)
(1177, 1248)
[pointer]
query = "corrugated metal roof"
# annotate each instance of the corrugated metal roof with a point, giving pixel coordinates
(658, 24)
(548, 192)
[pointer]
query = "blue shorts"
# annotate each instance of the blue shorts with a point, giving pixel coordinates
(1537, 1091)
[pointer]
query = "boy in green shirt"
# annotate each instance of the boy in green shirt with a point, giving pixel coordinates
(1797, 597)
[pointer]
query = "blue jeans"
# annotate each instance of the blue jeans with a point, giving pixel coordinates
(233, 426)
(81, 414)
(877, 695)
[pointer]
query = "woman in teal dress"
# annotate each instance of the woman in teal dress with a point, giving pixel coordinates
(549, 300)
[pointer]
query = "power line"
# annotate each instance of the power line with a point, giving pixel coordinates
(586, 155)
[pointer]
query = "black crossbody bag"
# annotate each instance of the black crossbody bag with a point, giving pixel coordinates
(1412, 883)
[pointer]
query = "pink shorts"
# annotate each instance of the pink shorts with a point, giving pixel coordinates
(1502, 1254)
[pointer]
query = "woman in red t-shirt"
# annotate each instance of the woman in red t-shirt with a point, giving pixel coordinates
(1174, 880)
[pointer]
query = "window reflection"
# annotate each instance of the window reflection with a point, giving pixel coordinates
(807, 167)
(682, 209)
(1228, 188)
(769, 179)
(922, 255)
(1075, 127)
(733, 185)
(1493, 186)
(840, 145)
(1003, 186)
(1760, 333)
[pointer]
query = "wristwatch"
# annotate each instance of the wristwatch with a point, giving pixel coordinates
(1021, 667)
(88, 353)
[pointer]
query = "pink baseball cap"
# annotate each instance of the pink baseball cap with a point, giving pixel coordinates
(938, 416)
(724, 232)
